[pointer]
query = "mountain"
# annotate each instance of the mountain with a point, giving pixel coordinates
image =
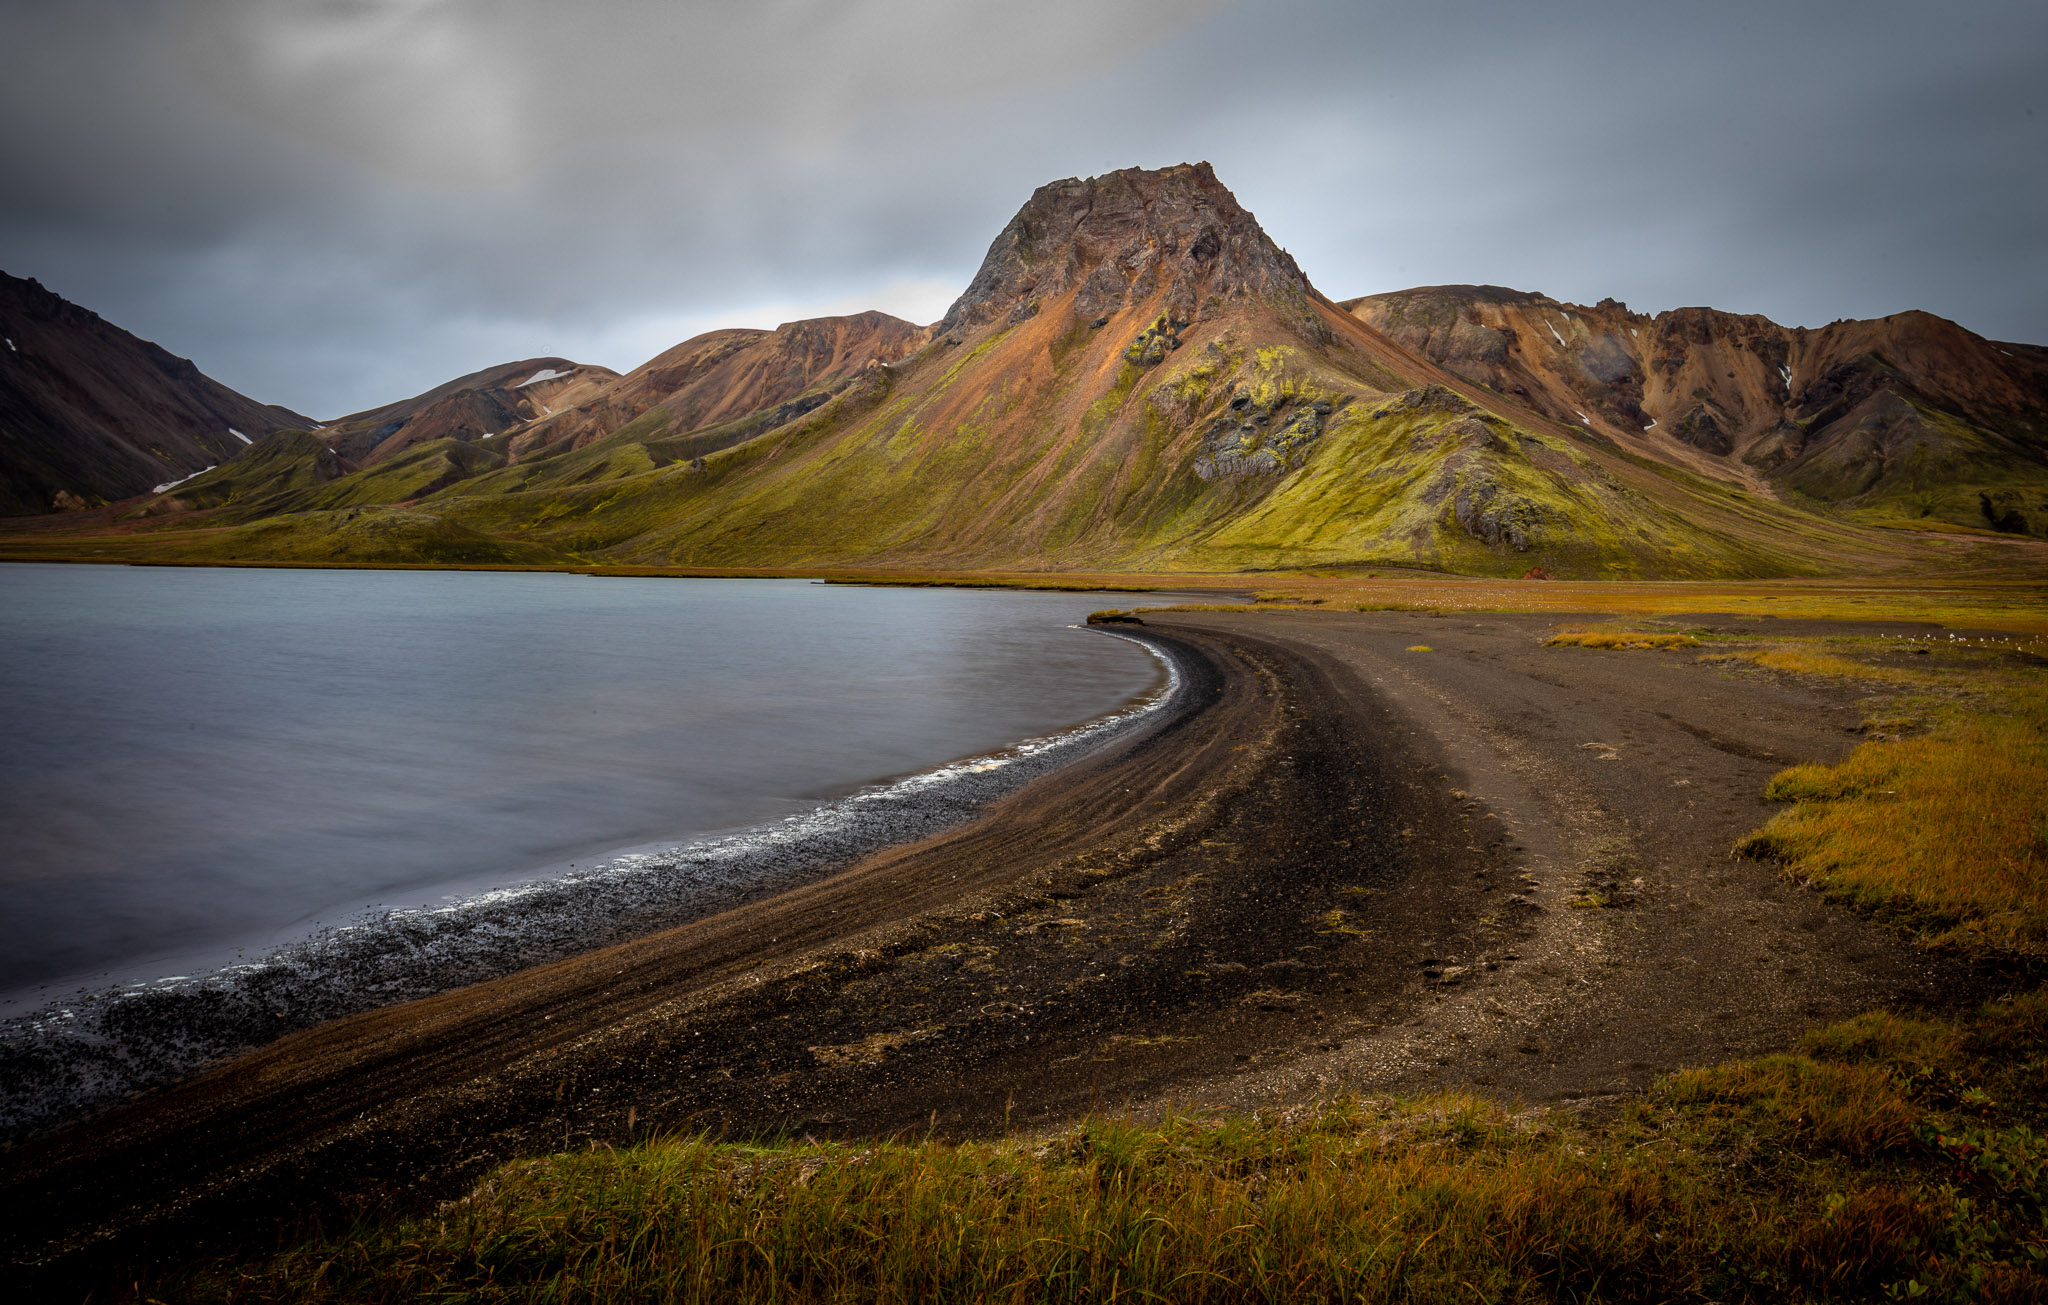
(388, 455)
(1905, 420)
(1138, 377)
(724, 377)
(479, 406)
(90, 414)
(714, 391)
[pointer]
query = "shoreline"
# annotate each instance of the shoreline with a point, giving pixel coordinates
(1345, 864)
(74, 1055)
(1052, 581)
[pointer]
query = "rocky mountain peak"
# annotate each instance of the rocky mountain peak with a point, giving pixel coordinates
(1120, 239)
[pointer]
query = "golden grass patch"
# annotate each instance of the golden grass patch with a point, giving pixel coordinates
(869, 1050)
(1947, 834)
(1621, 640)
(2013, 600)
(1804, 661)
(1854, 1108)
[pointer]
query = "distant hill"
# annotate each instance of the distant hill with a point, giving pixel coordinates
(384, 457)
(479, 406)
(721, 377)
(1905, 420)
(90, 414)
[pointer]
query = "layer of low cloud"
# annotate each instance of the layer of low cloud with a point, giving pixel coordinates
(332, 203)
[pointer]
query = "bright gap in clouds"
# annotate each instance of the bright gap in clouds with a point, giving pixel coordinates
(919, 302)
(620, 343)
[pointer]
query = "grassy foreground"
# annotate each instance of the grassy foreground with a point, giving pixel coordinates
(1889, 1157)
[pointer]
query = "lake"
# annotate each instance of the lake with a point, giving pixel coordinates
(204, 764)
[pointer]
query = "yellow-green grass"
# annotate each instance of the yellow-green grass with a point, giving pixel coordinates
(976, 582)
(2006, 591)
(1998, 586)
(1622, 640)
(1804, 660)
(1889, 1156)
(1261, 606)
(2011, 602)
(1946, 833)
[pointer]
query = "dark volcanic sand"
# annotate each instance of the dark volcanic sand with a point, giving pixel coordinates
(1342, 864)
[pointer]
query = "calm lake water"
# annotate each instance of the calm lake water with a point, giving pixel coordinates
(198, 761)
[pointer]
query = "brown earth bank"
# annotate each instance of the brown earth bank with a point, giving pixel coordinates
(1342, 863)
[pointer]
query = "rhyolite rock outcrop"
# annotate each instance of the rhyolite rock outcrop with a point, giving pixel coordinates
(1118, 240)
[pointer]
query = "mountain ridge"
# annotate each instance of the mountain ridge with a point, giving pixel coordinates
(1904, 419)
(90, 413)
(726, 374)
(479, 405)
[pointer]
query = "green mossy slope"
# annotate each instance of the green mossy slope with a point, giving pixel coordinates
(295, 471)
(402, 536)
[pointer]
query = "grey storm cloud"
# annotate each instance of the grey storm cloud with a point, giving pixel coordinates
(333, 203)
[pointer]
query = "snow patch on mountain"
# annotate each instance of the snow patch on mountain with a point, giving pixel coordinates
(173, 484)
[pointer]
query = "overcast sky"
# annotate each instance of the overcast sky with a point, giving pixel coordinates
(331, 204)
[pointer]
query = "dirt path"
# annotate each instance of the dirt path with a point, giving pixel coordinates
(1339, 862)
(1618, 782)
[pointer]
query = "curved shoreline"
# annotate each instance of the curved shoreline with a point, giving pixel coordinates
(76, 1055)
(1339, 863)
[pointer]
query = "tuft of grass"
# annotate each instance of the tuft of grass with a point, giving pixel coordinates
(1856, 1109)
(1945, 834)
(1624, 640)
(1988, 595)
(1914, 1045)
(1420, 647)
